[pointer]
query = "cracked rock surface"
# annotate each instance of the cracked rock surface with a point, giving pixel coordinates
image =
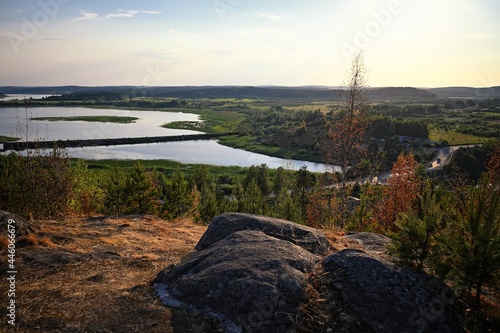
(253, 273)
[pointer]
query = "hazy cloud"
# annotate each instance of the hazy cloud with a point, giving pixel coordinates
(8, 36)
(273, 17)
(479, 36)
(158, 54)
(87, 16)
(11, 37)
(217, 52)
(56, 39)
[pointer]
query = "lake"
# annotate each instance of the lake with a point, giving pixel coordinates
(13, 120)
(195, 152)
(13, 123)
(11, 97)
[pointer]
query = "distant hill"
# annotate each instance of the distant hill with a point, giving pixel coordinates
(467, 92)
(265, 92)
(400, 93)
(56, 90)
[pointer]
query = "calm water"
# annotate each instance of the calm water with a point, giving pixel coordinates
(11, 97)
(13, 123)
(196, 152)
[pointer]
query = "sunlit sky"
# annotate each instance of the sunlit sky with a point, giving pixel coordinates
(419, 43)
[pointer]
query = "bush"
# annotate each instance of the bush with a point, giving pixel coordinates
(36, 186)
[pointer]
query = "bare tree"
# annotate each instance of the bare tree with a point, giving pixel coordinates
(344, 144)
(345, 138)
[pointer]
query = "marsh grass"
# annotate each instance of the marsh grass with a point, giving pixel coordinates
(8, 138)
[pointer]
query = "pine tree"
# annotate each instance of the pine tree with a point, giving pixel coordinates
(116, 197)
(250, 199)
(261, 175)
(287, 208)
(282, 181)
(177, 202)
(472, 242)
(143, 192)
(87, 194)
(208, 206)
(202, 177)
(304, 181)
(417, 229)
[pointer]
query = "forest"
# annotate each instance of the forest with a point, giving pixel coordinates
(447, 228)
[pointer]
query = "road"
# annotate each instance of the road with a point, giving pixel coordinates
(443, 157)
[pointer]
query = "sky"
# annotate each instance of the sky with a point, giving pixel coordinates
(424, 43)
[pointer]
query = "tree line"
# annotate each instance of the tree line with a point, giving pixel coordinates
(47, 186)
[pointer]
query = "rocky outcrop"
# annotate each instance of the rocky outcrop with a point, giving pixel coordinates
(226, 224)
(391, 298)
(246, 282)
(12, 222)
(257, 274)
(370, 242)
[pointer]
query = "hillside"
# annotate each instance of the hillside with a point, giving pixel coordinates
(400, 93)
(466, 92)
(263, 92)
(94, 275)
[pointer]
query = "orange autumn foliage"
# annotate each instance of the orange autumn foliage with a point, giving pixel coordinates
(400, 193)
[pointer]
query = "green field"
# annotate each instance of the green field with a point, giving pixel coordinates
(168, 167)
(213, 122)
(455, 138)
(247, 142)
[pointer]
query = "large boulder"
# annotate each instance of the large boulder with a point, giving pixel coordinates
(12, 222)
(371, 242)
(225, 224)
(246, 282)
(391, 298)
(257, 274)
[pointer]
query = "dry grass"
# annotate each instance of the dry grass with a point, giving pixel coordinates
(338, 242)
(324, 309)
(94, 275)
(31, 239)
(4, 242)
(46, 242)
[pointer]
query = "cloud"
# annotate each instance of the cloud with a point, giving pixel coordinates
(11, 37)
(56, 39)
(87, 16)
(479, 36)
(157, 54)
(273, 17)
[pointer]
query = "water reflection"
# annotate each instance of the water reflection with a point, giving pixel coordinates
(196, 152)
(12, 122)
